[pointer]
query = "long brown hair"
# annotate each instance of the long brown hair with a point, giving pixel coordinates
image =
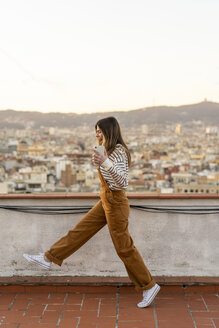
(112, 134)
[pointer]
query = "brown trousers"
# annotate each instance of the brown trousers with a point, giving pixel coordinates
(113, 210)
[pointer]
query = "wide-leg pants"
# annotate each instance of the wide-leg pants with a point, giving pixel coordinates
(113, 210)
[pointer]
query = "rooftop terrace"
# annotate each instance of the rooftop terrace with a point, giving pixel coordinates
(177, 236)
(107, 307)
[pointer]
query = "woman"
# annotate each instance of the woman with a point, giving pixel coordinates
(112, 209)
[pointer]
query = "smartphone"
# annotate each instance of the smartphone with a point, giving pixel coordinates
(100, 149)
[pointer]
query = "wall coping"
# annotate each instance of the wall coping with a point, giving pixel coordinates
(103, 281)
(89, 195)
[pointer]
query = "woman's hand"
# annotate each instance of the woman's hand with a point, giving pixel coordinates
(98, 158)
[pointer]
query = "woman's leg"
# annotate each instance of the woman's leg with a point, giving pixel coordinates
(87, 227)
(117, 220)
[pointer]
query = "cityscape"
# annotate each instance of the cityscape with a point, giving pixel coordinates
(166, 158)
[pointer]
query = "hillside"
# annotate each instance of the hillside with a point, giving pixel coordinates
(208, 112)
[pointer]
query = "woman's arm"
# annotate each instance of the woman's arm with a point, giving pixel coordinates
(117, 168)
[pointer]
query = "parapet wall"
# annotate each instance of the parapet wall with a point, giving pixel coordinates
(171, 244)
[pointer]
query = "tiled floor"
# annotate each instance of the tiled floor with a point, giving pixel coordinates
(107, 307)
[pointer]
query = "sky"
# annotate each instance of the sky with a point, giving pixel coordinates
(91, 56)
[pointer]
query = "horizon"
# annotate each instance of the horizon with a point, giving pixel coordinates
(86, 57)
(98, 112)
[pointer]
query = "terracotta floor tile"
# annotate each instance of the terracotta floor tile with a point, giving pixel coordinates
(24, 296)
(71, 314)
(3, 314)
(128, 296)
(57, 296)
(107, 321)
(100, 295)
(63, 307)
(7, 300)
(105, 325)
(128, 306)
(69, 322)
(76, 314)
(107, 310)
(31, 320)
(213, 307)
(74, 299)
(49, 301)
(216, 322)
(173, 324)
(38, 325)
(35, 310)
(87, 323)
(172, 312)
(110, 319)
(20, 304)
(177, 323)
(197, 305)
(90, 304)
(135, 324)
(13, 317)
(50, 317)
(4, 307)
(203, 321)
(140, 315)
(206, 314)
(194, 296)
(108, 300)
(35, 296)
(211, 299)
(130, 300)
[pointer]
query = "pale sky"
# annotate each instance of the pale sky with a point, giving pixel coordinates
(89, 56)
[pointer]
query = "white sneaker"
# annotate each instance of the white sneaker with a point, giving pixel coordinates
(38, 259)
(148, 296)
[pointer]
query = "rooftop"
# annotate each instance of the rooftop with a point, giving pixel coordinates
(107, 307)
(86, 293)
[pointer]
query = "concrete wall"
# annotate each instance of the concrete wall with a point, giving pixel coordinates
(171, 244)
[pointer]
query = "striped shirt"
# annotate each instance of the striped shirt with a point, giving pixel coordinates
(115, 169)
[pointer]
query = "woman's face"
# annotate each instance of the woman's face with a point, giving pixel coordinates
(100, 136)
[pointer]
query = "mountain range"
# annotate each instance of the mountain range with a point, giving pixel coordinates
(206, 111)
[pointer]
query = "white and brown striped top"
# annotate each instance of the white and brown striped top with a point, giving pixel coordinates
(115, 169)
